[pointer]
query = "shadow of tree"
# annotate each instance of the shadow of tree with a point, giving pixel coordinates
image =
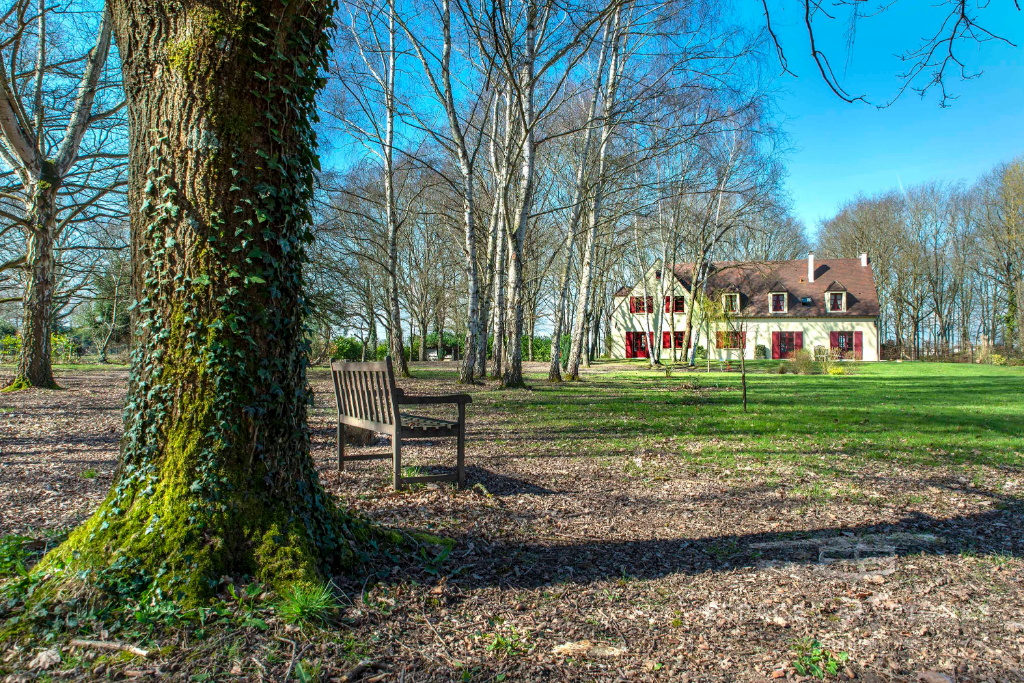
(539, 564)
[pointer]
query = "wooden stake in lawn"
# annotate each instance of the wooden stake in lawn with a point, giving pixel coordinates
(215, 476)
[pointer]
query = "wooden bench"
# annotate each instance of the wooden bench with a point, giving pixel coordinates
(367, 398)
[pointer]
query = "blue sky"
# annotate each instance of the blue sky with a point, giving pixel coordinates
(841, 149)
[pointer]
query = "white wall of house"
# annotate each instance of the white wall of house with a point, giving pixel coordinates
(816, 331)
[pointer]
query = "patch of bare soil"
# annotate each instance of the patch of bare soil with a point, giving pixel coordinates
(635, 568)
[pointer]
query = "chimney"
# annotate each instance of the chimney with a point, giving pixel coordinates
(864, 260)
(810, 267)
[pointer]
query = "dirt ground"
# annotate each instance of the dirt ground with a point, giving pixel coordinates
(566, 570)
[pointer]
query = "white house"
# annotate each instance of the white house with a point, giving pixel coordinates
(781, 305)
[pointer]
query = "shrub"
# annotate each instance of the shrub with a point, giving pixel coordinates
(761, 352)
(836, 370)
(10, 347)
(821, 353)
(700, 352)
(997, 359)
(668, 368)
(829, 361)
(803, 362)
(781, 369)
(65, 347)
(347, 348)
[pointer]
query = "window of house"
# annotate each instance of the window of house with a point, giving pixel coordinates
(731, 339)
(666, 340)
(843, 341)
(836, 301)
(638, 304)
(731, 303)
(675, 304)
(778, 303)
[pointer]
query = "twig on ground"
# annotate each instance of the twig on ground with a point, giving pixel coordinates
(356, 671)
(438, 636)
(110, 645)
(291, 663)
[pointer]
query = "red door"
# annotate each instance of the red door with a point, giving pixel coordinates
(641, 348)
(638, 344)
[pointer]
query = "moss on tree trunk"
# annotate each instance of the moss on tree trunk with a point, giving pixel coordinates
(216, 476)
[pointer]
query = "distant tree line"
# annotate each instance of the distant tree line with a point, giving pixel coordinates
(948, 260)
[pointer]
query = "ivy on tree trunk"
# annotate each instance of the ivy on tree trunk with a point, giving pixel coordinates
(215, 475)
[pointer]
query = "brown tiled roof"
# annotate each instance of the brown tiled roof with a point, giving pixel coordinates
(836, 286)
(756, 279)
(623, 291)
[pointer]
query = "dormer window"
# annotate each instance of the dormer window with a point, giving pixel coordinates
(731, 303)
(779, 303)
(835, 297)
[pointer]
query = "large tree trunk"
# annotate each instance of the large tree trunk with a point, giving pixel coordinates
(216, 477)
(34, 361)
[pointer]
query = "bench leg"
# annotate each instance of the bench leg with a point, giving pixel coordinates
(341, 447)
(396, 449)
(460, 457)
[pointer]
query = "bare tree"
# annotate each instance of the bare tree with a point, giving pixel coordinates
(58, 174)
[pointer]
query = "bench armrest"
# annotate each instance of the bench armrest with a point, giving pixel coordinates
(422, 400)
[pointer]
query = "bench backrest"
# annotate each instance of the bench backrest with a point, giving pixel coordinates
(365, 393)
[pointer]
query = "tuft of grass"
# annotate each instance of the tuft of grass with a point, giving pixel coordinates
(89, 473)
(308, 671)
(304, 604)
(814, 660)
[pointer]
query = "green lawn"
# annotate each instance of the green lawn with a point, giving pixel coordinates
(914, 413)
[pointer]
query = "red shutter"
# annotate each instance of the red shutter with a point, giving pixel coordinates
(776, 352)
(798, 341)
(666, 340)
(650, 305)
(668, 304)
(629, 342)
(858, 345)
(650, 346)
(743, 340)
(833, 340)
(718, 339)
